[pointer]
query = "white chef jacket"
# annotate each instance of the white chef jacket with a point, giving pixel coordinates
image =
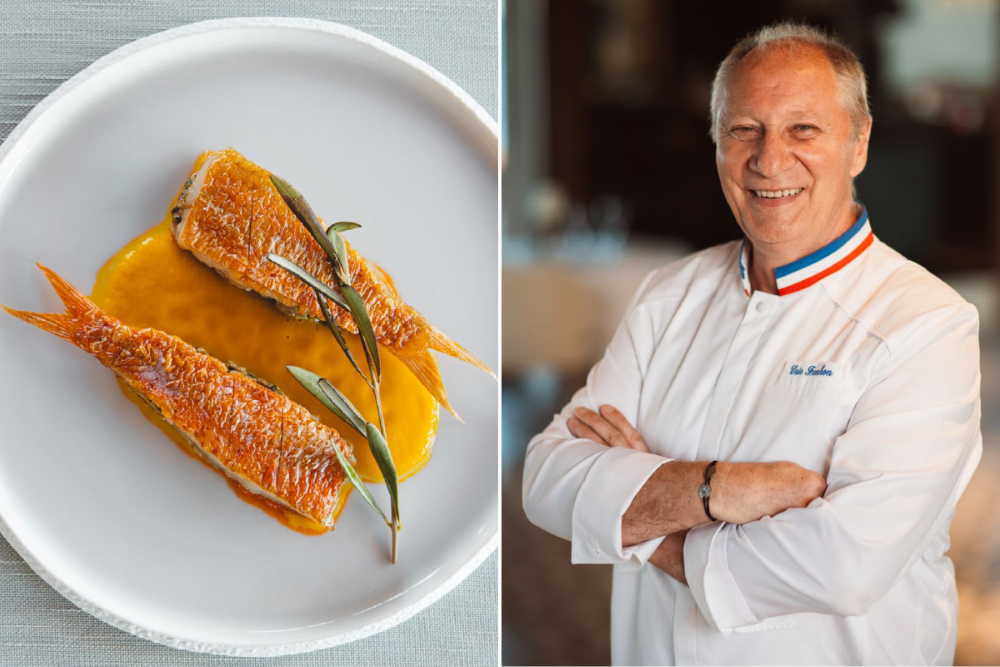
(865, 369)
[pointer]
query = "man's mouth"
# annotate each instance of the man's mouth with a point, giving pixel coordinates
(777, 194)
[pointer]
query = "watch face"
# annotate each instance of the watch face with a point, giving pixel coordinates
(704, 491)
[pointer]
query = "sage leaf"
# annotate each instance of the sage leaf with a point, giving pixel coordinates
(331, 324)
(341, 267)
(380, 450)
(344, 405)
(360, 314)
(329, 396)
(343, 226)
(308, 279)
(355, 480)
(303, 211)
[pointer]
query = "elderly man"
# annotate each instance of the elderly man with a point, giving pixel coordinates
(805, 405)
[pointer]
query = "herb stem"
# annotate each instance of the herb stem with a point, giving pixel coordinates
(376, 385)
(378, 404)
(348, 299)
(395, 536)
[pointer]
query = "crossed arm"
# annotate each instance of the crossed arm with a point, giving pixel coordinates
(894, 477)
(668, 503)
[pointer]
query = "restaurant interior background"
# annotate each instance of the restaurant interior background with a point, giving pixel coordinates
(610, 173)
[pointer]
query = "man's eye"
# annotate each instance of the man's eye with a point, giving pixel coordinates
(805, 127)
(744, 130)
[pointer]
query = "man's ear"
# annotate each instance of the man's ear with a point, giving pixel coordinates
(861, 148)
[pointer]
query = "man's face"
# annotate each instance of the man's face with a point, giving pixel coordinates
(783, 127)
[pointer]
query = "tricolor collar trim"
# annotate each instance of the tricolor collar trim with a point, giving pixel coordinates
(815, 266)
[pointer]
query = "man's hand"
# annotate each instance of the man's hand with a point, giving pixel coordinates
(607, 428)
(669, 503)
(669, 556)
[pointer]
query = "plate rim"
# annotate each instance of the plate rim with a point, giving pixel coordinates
(433, 78)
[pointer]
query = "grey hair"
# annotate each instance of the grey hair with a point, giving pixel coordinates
(850, 74)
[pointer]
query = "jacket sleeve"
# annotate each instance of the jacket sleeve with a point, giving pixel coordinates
(577, 489)
(895, 476)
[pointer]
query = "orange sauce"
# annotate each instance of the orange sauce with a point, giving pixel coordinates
(151, 282)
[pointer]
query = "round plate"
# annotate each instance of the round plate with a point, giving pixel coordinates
(94, 497)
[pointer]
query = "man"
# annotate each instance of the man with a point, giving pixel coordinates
(805, 406)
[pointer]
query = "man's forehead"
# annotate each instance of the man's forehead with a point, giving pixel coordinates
(793, 113)
(800, 80)
(803, 60)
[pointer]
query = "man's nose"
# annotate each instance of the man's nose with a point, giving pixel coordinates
(773, 155)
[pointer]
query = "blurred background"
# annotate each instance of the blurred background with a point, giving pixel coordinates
(610, 174)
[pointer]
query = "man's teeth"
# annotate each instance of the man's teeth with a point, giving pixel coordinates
(775, 194)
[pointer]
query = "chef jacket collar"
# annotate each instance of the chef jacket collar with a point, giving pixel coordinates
(817, 265)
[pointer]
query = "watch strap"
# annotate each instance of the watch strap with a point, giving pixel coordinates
(709, 471)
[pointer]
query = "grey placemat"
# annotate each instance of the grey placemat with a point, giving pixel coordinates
(44, 43)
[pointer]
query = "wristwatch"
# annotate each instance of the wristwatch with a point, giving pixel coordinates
(705, 490)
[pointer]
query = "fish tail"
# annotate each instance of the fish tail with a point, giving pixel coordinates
(442, 343)
(65, 325)
(75, 301)
(425, 368)
(60, 325)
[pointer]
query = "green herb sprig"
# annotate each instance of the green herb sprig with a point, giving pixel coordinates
(347, 298)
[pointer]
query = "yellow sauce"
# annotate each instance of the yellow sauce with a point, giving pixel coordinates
(151, 282)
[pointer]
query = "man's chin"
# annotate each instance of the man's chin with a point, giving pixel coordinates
(772, 230)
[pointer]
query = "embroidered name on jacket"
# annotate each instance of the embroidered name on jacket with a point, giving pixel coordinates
(810, 370)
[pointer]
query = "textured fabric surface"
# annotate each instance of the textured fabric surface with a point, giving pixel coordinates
(44, 43)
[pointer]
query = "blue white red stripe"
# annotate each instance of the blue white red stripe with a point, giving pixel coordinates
(815, 266)
(745, 262)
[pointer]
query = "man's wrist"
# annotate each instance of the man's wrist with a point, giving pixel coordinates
(705, 490)
(667, 503)
(722, 491)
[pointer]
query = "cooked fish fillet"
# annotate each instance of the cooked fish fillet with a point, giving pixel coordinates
(251, 433)
(230, 216)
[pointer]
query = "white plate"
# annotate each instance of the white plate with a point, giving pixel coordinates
(93, 496)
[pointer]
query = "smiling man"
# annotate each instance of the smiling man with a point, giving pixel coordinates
(772, 448)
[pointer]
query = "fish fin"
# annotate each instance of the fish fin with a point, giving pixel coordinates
(442, 343)
(75, 301)
(380, 273)
(63, 325)
(425, 368)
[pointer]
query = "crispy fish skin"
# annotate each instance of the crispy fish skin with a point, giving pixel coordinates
(270, 445)
(230, 216)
